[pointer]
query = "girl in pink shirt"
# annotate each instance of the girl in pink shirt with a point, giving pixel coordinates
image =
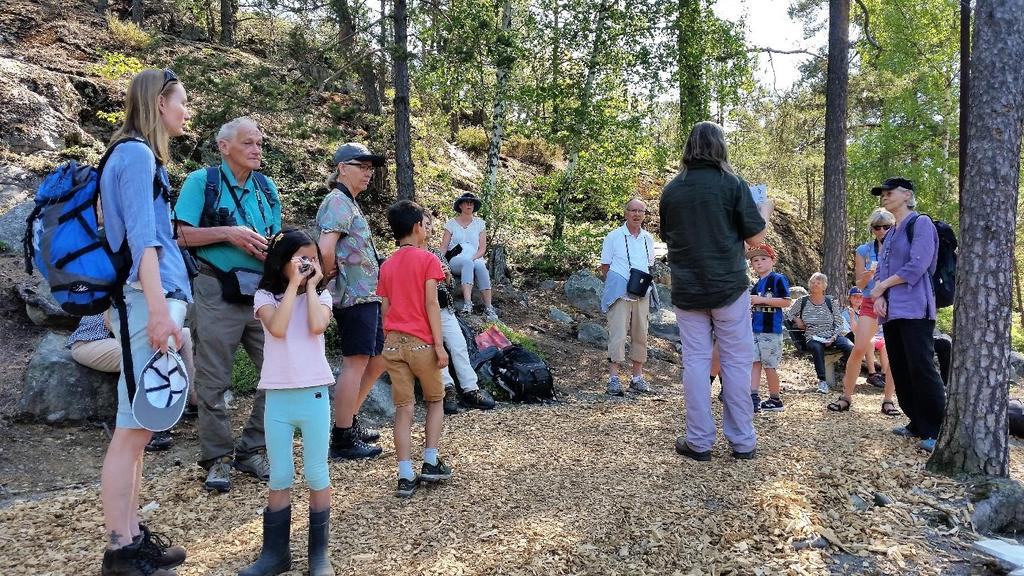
(295, 311)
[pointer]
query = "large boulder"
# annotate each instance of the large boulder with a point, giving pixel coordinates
(593, 333)
(17, 188)
(42, 309)
(59, 390)
(583, 291)
(663, 324)
(664, 296)
(41, 109)
(557, 315)
(1017, 366)
(379, 406)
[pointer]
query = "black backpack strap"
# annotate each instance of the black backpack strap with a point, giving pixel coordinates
(211, 192)
(803, 304)
(910, 227)
(124, 335)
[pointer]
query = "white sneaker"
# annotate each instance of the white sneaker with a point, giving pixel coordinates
(467, 308)
(823, 387)
(490, 313)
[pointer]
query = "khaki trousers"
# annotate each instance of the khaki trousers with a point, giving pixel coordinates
(220, 328)
(628, 318)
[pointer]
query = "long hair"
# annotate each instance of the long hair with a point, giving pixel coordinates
(707, 142)
(283, 247)
(142, 112)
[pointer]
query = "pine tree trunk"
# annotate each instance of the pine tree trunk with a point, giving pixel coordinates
(556, 67)
(227, 21)
(138, 12)
(835, 247)
(403, 130)
(973, 439)
(348, 40)
(504, 70)
(965, 92)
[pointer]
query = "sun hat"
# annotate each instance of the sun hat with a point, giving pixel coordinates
(467, 197)
(161, 392)
(762, 250)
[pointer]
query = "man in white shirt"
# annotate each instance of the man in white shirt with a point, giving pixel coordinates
(625, 248)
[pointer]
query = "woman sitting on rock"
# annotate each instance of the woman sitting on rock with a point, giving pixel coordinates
(821, 319)
(469, 233)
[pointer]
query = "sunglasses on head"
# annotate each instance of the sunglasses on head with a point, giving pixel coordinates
(881, 226)
(169, 77)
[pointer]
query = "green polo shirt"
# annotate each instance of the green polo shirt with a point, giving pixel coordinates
(260, 211)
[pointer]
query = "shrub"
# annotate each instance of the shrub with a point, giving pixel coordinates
(116, 65)
(129, 34)
(519, 338)
(244, 376)
(472, 139)
(535, 151)
(113, 118)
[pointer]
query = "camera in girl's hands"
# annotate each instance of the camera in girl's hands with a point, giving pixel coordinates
(305, 266)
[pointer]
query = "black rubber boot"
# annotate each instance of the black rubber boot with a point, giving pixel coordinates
(346, 445)
(368, 435)
(319, 534)
(276, 555)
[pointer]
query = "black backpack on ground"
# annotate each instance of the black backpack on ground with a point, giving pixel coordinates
(524, 375)
(796, 335)
(944, 275)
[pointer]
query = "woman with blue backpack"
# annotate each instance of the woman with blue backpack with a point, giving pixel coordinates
(134, 192)
(904, 300)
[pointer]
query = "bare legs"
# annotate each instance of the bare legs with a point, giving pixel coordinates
(119, 485)
(358, 374)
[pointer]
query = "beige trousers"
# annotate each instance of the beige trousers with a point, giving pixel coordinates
(628, 318)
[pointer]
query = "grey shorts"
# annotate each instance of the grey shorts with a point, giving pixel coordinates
(138, 317)
(768, 349)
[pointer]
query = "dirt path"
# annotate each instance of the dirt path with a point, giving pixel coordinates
(588, 486)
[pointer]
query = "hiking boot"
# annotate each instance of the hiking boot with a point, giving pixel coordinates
(451, 401)
(823, 387)
(755, 398)
(490, 313)
(435, 472)
(406, 487)
(877, 380)
(365, 434)
(683, 449)
(159, 442)
(255, 465)
(319, 535)
(218, 477)
(614, 386)
(479, 399)
(639, 385)
(772, 405)
(744, 455)
(159, 549)
(131, 561)
(346, 445)
(275, 555)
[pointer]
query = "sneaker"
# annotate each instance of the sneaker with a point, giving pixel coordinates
(490, 313)
(131, 560)
(614, 386)
(480, 399)
(365, 434)
(683, 449)
(218, 478)
(406, 487)
(255, 465)
(904, 431)
(744, 455)
(435, 472)
(467, 308)
(345, 445)
(160, 550)
(159, 442)
(928, 444)
(639, 385)
(877, 380)
(755, 398)
(823, 387)
(451, 401)
(772, 405)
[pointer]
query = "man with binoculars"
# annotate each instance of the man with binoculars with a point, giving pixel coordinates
(224, 216)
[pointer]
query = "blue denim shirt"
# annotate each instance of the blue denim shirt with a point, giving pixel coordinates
(615, 288)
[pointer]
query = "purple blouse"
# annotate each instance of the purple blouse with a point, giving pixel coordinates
(915, 299)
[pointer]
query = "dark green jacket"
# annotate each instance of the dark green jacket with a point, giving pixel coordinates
(706, 213)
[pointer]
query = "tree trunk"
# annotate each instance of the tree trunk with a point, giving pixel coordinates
(556, 69)
(403, 130)
(586, 94)
(348, 40)
(835, 246)
(228, 8)
(965, 91)
(973, 438)
(382, 56)
(138, 12)
(211, 29)
(504, 64)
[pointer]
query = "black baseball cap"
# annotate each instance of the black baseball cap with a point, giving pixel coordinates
(891, 183)
(355, 151)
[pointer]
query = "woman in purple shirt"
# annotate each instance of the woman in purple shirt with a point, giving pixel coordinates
(905, 305)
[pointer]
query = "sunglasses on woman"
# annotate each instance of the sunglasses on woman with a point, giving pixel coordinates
(881, 227)
(169, 77)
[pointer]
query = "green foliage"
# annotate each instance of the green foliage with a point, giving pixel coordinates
(1017, 337)
(244, 375)
(128, 34)
(944, 320)
(536, 150)
(112, 118)
(519, 338)
(117, 66)
(472, 139)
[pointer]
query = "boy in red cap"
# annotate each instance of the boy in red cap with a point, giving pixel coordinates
(768, 297)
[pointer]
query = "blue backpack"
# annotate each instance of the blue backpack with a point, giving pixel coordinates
(65, 242)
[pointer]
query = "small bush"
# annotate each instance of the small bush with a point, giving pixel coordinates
(113, 118)
(244, 375)
(1017, 337)
(519, 338)
(535, 151)
(472, 139)
(116, 65)
(128, 34)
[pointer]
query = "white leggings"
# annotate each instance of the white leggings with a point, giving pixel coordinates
(478, 268)
(458, 354)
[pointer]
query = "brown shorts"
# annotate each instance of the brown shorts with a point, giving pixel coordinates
(408, 358)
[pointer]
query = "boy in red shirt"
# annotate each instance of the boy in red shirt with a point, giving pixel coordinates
(412, 325)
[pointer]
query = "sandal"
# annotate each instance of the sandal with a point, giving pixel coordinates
(891, 410)
(840, 405)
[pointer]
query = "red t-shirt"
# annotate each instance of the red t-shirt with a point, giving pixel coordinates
(403, 279)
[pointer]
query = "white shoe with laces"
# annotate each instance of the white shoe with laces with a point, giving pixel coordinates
(823, 387)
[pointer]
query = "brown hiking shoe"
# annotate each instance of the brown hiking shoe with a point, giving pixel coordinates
(131, 560)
